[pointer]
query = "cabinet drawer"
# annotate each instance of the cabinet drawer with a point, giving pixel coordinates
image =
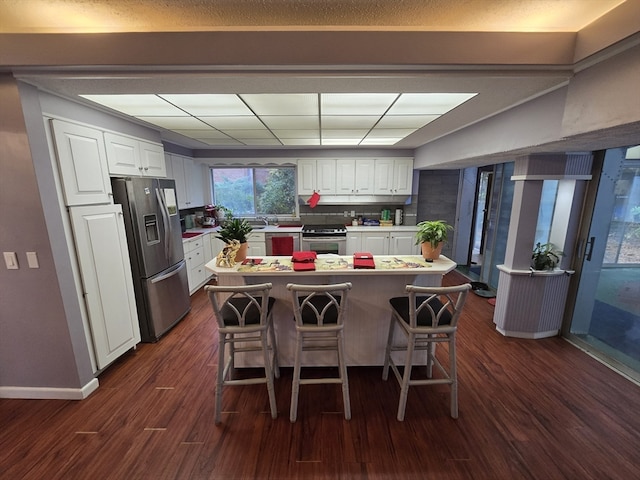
(195, 257)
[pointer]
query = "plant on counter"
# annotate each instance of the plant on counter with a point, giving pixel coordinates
(545, 256)
(432, 234)
(234, 229)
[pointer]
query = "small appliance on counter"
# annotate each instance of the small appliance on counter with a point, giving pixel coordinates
(398, 217)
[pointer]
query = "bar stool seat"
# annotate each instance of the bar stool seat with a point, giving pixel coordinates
(243, 314)
(427, 316)
(319, 312)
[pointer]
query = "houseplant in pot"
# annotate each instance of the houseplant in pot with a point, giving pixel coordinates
(431, 235)
(236, 229)
(545, 256)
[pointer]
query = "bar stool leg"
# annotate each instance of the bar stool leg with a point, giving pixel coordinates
(295, 387)
(387, 353)
(220, 379)
(406, 377)
(453, 374)
(343, 377)
(269, 374)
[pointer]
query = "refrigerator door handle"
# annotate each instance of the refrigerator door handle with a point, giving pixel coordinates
(174, 271)
(167, 225)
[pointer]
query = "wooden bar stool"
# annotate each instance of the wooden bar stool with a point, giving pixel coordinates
(427, 316)
(319, 314)
(243, 314)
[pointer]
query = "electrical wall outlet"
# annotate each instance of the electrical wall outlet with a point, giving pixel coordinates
(11, 260)
(346, 214)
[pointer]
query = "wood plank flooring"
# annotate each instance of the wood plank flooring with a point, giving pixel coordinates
(529, 409)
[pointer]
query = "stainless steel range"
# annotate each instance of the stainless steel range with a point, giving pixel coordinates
(324, 239)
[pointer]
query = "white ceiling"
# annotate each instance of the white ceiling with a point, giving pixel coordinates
(268, 93)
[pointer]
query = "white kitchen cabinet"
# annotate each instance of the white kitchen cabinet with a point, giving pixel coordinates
(403, 244)
(316, 176)
(194, 255)
(82, 161)
(257, 244)
(376, 243)
(355, 176)
(127, 156)
(354, 242)
(188, 176)
(103, 257)
(393, 176)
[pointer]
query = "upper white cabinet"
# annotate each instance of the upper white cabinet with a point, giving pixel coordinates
(131, 157)
(103, 256)
(82, 161)
(393, 176)
(189, 181)
(355, 176)
(317, 176)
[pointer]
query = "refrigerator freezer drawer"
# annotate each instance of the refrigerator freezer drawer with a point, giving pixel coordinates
(168, 300)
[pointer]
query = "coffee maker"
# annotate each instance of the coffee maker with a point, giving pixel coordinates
(399, 216)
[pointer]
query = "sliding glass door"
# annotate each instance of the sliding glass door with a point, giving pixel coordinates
(606, 316)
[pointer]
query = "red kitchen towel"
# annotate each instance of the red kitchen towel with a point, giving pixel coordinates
(314, 199)
(252, 261)
(304, 256)
(282, 245)
(363, 260)
(303, 266)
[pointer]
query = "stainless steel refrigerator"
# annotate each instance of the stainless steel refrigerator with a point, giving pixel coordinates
(154, 236)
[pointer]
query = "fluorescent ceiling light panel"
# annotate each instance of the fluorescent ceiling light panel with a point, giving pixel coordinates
(343, 133)
(390, 132)
(300, 141)
(405, 121)
(356, 103)
(240, 134)
(220, 142)
(343, 121)
(428, 103)
(209, 105)
(175, 123)
(380, 141)
(234, 123)
(286, 122)
(282, 103)
(341, 141)
(209, 134)
(290, 134)
(147, 104)
(261, 141)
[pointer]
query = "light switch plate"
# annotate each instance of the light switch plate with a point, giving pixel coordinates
(11, 260)
(32, 260)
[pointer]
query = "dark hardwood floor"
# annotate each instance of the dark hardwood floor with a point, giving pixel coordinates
(529, 409)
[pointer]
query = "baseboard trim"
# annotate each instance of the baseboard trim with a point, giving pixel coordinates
(49, 393)
(529, 335)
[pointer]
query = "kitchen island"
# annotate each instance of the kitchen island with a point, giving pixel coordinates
(368, 314)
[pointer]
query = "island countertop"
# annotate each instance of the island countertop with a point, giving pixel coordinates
(368, 312)
(336, 265)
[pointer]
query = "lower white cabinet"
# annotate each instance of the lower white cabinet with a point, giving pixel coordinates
(382, 243)
(194, 255)
(403, 244)
(257, 244)
(103, 257)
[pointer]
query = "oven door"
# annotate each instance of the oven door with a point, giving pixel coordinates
(335, 245)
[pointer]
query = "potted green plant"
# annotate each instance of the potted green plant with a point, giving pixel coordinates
(545, 256)
(236, 229)
(431, 235)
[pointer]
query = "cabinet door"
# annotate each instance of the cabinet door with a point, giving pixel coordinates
(177, 166)
(123, 155)
(152, 159)
(364, 178)
(83, 164)
(326, 177)
(354, 242)
(306, 177)
(383, 176)
(346, 177)
(376, 243)
(193, 173)
(403, 244)
(402, 176)
(103, 256)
